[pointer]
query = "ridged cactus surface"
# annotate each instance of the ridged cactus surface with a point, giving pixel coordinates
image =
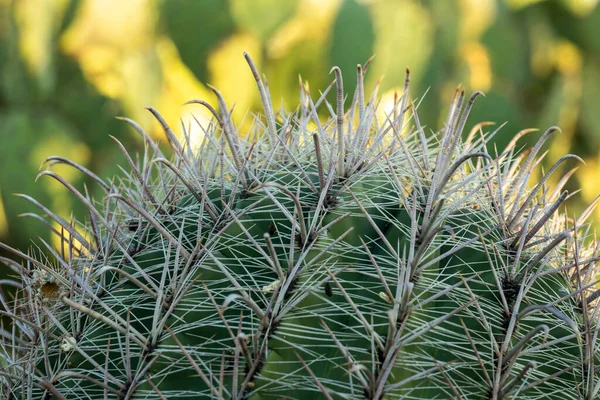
(356, 257)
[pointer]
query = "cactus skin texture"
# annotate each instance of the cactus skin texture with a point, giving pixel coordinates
(352, 258)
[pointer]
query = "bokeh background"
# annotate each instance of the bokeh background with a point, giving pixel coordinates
(67, 68)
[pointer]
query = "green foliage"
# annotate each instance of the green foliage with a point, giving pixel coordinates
(261, 17)
(316, 259)
(196, 28)
(33, 134)
(352, 38)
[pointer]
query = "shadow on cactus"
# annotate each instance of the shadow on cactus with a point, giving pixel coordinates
(347, 258)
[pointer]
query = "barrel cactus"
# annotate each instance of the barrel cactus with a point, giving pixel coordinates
(348, 258)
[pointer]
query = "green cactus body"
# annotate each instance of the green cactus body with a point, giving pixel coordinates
(344, 262)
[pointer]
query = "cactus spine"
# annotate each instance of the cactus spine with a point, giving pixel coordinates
(346, 258)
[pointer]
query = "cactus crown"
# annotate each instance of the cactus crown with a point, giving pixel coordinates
(347, 258)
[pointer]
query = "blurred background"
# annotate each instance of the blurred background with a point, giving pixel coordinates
(67, 68)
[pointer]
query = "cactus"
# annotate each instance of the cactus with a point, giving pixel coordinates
(348, 258)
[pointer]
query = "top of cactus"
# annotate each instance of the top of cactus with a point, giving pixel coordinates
(352, 257)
